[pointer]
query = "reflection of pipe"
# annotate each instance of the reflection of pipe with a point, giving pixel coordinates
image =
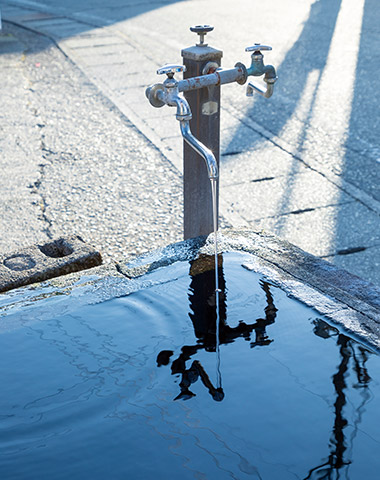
(203, 298)
(203, 151)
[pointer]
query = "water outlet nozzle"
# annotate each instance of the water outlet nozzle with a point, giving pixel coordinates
(167, 93)
(257, 69)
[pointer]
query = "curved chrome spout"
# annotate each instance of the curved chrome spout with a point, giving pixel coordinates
(204, 152)
(265, 92)
(168, 93)
(183, 108)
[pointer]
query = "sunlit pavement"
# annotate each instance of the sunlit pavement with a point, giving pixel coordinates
(304, 164)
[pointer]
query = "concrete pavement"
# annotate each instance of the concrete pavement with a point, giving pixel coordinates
(72, 164)
(304, 165)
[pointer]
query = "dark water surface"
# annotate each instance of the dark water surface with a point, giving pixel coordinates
(127, 389)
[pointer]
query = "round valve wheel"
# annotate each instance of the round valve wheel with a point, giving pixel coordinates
(202, 30)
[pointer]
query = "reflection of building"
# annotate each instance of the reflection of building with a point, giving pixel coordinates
(348, 350)
(204, 317)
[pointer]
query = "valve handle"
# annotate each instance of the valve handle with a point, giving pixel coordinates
(171, 69)
(258, 48)
(202, 30)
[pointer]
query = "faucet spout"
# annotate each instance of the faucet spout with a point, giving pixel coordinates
(168, 94)
(257, 69)
(265, 92)
(183, 108)
(204, 152)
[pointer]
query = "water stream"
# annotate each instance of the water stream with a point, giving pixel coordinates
(214, 187)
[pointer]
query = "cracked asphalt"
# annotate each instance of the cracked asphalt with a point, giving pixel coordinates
(84, 152)
(72, 163)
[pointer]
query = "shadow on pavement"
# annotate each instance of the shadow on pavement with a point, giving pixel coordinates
(64, 19)
(308, 54)
(357, 135)
(361, 162)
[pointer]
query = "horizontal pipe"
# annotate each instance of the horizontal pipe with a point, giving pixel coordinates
(220, 77)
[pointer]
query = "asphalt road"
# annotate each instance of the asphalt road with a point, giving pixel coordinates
(304, 165)
(72, 163)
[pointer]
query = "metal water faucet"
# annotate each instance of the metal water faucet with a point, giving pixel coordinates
(258, 68)
(204, 74)
(167, 93)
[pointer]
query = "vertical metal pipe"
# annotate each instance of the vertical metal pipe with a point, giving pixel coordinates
(205, 126)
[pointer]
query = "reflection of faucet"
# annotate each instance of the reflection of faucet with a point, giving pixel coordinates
(257, 69)
(168, 94)
(203, 317)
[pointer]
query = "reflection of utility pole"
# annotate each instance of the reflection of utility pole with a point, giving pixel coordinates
(363, 379)
(336, 459)
(203, 317)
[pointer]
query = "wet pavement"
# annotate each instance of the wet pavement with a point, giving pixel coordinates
(103, 163)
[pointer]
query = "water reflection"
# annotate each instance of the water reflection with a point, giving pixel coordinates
(85, 386)
(203, 315)
(350, 352)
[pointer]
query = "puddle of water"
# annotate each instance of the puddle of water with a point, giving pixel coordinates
(128, 389)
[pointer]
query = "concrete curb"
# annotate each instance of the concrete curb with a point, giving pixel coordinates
(347, 300)
(41, 262)
(344, 298)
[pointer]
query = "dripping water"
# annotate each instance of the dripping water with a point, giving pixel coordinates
(217, 290)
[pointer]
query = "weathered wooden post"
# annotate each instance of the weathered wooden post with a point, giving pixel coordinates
(205, 125)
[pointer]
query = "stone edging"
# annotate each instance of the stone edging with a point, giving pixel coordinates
(38, 263)
(347, 300)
